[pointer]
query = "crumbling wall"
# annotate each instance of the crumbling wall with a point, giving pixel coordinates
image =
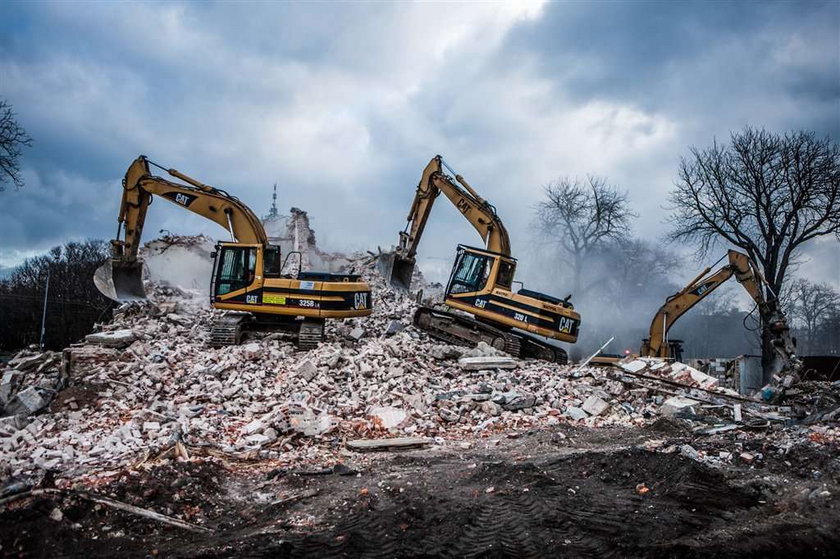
(293, 233)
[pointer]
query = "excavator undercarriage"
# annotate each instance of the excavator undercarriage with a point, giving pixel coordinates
(462, 329)
(232, 327)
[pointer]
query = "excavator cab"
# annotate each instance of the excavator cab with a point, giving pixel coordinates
(471, 271)
(235, 268)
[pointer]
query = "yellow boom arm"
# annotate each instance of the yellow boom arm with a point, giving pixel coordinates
(701, 286)
(478, 211)
(775, 326)
(216, 205)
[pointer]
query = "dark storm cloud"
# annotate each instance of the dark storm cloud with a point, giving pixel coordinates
(707, 57)
(343, 104)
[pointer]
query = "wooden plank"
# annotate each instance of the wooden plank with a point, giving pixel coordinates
(400, 443)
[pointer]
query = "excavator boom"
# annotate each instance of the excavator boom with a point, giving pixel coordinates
(750, 278)
(120, 279)
(399, 266)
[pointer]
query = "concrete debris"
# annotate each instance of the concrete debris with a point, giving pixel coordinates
(595, 405)
(520, 402)
(483, 349)
(690, 452)
(388, 417)
(486, 362)
(11, 424)
(576, 413)
(307, 370)
(676, 405)
(442, 352)
(150, 379)
(393, 327)
(9, 384)
(26, 361)
(115, 338)
(252, 350)
(28, 402)
(673, 372)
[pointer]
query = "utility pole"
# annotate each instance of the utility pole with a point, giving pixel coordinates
(44, 315)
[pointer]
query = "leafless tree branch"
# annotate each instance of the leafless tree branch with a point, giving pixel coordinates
(12, 139)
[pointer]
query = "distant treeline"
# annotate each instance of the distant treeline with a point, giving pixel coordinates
(73, 302)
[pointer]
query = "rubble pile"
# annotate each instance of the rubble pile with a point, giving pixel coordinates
(155, 382)
(148, 383)
(676, 372)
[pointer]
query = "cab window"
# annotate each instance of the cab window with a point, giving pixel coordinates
(505, 277)
(470, 273)
(236, 269)
(272, 263)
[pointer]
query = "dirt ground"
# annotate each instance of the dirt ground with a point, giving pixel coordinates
(569, 491)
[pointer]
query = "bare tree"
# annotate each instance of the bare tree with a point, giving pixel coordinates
(580, 218)
(74, 302)
(12, 138)
(637, 266)
(811, 304)
(765, 193)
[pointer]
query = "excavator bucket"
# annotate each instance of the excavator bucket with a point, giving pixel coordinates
(396, 270)
(120, 281)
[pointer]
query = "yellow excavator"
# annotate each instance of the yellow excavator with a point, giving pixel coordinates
(481, 282)
(739, 265)
(247, 276)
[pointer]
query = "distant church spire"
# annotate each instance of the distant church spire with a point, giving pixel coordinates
(272, 213)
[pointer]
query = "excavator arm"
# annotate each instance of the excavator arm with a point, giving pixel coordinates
(697, 289)
(120, 279)
(475, 209)
(739, 265)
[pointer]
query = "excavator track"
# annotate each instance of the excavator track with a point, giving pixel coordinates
(461, 330)
(311, 333)
(458, 330)
(536, 349)
(227, 330)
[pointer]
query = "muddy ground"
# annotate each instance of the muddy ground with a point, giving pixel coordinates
(568, 491)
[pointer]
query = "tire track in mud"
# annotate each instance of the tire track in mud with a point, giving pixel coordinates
(582, 506)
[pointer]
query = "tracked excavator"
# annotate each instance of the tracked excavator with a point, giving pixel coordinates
(483, 306)
(247, 275)
(748, 275)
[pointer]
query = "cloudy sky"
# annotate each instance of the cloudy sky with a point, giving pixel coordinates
(342, 105)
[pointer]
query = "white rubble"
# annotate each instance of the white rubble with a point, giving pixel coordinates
(388, 417)
(677, 404)
(594, 405)
(114, 338)
(479, 363)
(368, 379)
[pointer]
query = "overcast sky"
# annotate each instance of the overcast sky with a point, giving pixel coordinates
(342, 105)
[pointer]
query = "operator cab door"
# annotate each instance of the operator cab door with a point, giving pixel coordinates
(470, 273)
(235, 270)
